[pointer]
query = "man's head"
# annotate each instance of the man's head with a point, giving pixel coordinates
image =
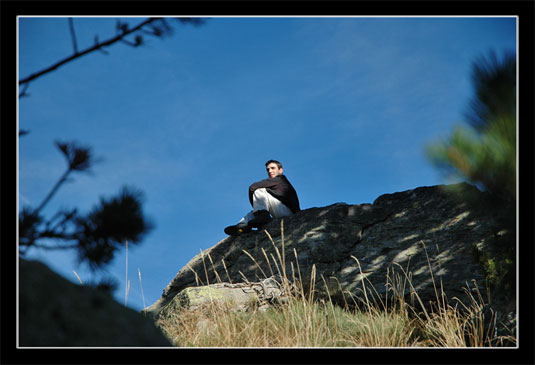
(273, 168)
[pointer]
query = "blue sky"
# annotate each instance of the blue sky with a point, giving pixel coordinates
(347, 104)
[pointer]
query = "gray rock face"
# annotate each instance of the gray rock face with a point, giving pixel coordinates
(235, 297)
(433, 234)
(54, 312)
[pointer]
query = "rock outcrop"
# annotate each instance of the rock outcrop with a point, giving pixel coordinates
(434, 236)
(235, 297)
(53, 312)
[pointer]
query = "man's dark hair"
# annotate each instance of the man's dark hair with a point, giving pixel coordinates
(279, 165)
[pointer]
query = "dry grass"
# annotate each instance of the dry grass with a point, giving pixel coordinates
(296, 324)
(307, 321)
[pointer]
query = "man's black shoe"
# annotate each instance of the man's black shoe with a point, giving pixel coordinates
(261, 217)
(237, 229)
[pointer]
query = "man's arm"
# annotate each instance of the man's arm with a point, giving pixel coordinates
(273, 184)
(266, 183)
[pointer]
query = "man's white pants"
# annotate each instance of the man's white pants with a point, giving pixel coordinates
(262, 200)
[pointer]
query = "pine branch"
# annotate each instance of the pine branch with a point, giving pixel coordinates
(97, 46)
(62, 179)
(73, 36)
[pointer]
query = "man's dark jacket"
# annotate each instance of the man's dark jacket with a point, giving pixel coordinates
(280, 188)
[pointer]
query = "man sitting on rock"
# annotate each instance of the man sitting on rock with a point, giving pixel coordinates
(273, 197)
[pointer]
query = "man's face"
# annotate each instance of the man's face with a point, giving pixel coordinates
(273, 170)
